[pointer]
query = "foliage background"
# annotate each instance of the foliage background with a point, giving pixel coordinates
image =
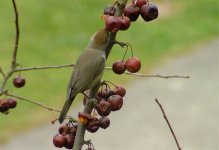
(55, 32)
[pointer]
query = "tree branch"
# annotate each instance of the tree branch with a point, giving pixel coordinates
(79, 139)
(33, 102)
(169, 125)
(44, 67)
(14, 56)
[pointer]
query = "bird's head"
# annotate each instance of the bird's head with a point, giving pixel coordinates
(100, 39)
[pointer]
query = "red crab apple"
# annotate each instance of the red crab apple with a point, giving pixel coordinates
(149, 12)
(59, 141)
(132, 12)
(109, 10)
(125, 23)
(19, 81)
(104, 122)
(70, 139)
(93, 125)
(12, 102)
(133, 64)
(139, 3)
(103, 108)
(119, 90)
(119, 67)
(112, 23)
(116, 102)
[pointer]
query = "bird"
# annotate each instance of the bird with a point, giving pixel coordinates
(88, 69)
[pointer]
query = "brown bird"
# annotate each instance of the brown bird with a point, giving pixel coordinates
(88, 69)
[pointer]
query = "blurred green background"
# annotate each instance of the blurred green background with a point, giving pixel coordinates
(55, 32)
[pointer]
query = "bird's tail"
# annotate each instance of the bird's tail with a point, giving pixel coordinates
(65, 109)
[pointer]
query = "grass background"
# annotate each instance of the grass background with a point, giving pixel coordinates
(55, 32)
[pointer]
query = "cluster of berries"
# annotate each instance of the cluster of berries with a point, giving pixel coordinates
(6, 104)
(132, 64)
(131, 13)
(108, 100)
(66, 136)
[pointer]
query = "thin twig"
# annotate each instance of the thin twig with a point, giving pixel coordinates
(108, 68)
(2, 72)
(33, 102)
(44, 67)
(152, 75)
(171, 129)
(14, 56)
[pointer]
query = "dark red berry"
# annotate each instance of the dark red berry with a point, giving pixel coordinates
(104, 122)
(19, 81)
(93, 125)
(139, 3)
(105, 93)
(119, 90)
(12, 102)
(63, 129)
(125, 23)
(4, 106)
(72, 130)
(116, 102)
(70, 139)
(59, 141)
(103, 108)
(119, 67)
(109, 10)
(113, 23)
(133, 64)
(132, 12)
(149, 12)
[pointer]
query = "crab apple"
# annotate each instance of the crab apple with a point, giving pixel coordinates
(70, 139)
(105, 93)
(139, 3)
(103, 108)
(113, 23)
(149, 12)
(119, 90)
(109, 10)
(12, 102)
(93, 125)
(19, 81)
(116, 102)
(63, 129)
(133, 64)
(119, 67)
(132, 12)
(104, 122)
(4, 106)
(59, 141)
(125, 23)
(73, 130)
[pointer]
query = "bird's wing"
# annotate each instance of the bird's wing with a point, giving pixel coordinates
(83, 77)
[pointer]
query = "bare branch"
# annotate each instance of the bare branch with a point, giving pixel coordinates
(169, 125)
(14, 56)
(44, 67)
(2, 72)
(33, 102)
(152, 75)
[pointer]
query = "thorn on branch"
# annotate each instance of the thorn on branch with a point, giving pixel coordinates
(168, 123)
